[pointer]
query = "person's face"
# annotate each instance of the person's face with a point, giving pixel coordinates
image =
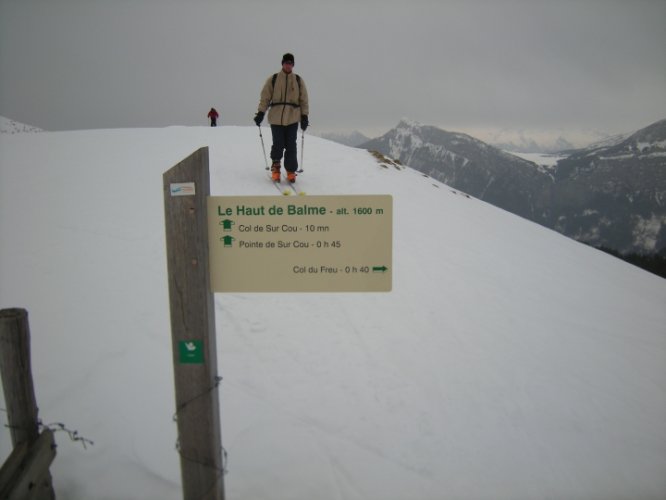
(287, 66)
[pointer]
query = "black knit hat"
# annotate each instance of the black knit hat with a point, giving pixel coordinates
(288, 58)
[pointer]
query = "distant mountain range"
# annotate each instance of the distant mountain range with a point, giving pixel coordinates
(526, 144)
(513, 140)
(611, 194)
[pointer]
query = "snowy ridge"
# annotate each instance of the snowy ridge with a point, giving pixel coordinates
(8, 126)
(508, 361)
(649, 142)
(608, 142)
(348, 139)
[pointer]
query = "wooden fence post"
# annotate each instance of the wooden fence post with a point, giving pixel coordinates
(16, 373)
(25, 474)
(186, 188)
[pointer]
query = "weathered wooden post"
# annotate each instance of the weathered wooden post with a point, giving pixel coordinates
(186, 188)
(17, 375)
(30, 460)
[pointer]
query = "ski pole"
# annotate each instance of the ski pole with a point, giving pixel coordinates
(300, 170)
(263, 148)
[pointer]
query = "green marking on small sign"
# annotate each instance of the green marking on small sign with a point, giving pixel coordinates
(191, 352)
(227, 224)
(227, 240)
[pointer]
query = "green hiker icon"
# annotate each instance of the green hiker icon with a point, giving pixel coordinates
(226, 224)
(227, 240)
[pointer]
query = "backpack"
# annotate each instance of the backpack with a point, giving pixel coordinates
(298, 80)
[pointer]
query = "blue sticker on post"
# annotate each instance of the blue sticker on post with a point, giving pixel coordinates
(182, 189)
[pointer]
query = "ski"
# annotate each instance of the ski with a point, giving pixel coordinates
(283, 192)
(295, 187)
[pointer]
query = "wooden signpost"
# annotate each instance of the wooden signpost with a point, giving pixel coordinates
(310, 244)
(186, 188)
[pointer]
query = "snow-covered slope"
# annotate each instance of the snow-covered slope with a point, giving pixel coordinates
(507, 362)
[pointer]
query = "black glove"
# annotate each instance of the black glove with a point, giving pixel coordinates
(259, 117)
(304, 122)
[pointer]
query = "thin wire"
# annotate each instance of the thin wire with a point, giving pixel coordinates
(182, 406)
(220, 471)
(56, 427)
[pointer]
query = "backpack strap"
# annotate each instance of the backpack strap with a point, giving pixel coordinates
(298, 80)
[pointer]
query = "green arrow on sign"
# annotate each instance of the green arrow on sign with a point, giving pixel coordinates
(379, 269)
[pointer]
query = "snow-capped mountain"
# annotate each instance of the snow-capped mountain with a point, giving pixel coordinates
(606, 142)
(467, 164)
(612, 194)
(8, 126)
(541, 141)
(524, 143)
(352, 139)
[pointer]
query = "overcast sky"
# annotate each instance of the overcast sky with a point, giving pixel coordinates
(467, 65)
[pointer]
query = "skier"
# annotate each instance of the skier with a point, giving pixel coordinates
(213, 114)
(285, 93)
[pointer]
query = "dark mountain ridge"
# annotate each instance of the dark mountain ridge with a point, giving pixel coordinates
(614, 195)
(465, 163)
(611, 194)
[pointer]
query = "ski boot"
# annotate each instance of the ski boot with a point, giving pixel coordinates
(275, 171)
(291, 176)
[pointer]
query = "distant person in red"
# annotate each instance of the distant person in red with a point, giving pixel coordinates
(213, 114)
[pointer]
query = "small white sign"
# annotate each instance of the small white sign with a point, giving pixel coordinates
(182, 189)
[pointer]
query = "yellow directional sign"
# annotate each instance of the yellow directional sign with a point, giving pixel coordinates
(308, 244)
